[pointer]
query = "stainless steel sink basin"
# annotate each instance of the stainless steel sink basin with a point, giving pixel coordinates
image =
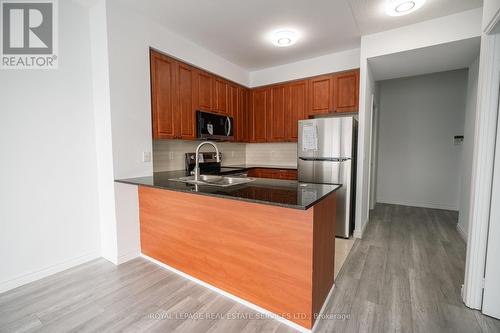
(221, 181)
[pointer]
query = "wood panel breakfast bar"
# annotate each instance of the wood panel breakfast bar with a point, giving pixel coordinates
(270, 243)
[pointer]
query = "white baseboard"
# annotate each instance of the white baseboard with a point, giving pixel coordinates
(40, 274)
(128, 256)
(462, 232)
(417, 204)
(252, 306)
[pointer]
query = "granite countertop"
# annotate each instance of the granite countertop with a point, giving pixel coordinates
(283, 193)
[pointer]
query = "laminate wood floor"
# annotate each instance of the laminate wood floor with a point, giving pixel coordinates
(404, 276)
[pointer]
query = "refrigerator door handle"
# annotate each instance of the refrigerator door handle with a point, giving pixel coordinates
(325, 159)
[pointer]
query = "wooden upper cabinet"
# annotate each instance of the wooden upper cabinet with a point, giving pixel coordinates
(265, 114)
(203, 90)
(259, 105)
(321, 95)
(232, 101)
(220, 95)
(186, 106)
(296, 108)
(240, 119)
(233, 108)
(163, 96)
(347, 91)
(276, 115)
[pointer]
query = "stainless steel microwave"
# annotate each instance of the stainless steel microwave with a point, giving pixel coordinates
(214, 126)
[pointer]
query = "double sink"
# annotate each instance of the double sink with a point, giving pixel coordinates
(220, 181)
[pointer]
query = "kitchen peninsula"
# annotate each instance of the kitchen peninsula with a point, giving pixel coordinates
(268, 242)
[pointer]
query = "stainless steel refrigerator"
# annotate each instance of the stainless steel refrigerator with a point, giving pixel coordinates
(327, 155)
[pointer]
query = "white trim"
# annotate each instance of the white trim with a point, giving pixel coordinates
(240, 300)
(493, 23)
(417, 204)
(47, 271)
(359, 233)
(463, 234)
(482, 175)
(128, 256)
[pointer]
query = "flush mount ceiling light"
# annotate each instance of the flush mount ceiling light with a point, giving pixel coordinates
(402, 7)
(283, 38)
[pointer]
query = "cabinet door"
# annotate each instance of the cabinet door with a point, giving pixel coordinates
(185, 110)
(232, 101)
(220, 95)
(233, 107)
(203, 86)
(347, 92)
(163, 95)
(259, 104)
(240, 119)
(276, 115)
(296, 109)
(321, 95)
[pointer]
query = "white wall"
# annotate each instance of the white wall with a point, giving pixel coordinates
(442, 30)
(169, 155)
(49, 218)
(334, 62)
(129, 37)
(468, 148)
(418, 164)
(274, 154)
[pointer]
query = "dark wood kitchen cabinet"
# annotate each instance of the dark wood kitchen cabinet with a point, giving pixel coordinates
(203, 90)
(163, 96)
(277, 114)
(321, 95)
(262, 114)
(285, 174)
(346, 91)
(220, 95)
(186, 114)
(296, 108)
(242, 120)
(259, 105)
(232, 101)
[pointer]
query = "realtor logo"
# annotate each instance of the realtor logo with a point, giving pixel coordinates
(29, 34)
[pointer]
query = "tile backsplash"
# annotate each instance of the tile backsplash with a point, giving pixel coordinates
(279, 154)
(169, 155)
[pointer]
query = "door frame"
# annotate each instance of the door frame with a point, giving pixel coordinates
(482, 174)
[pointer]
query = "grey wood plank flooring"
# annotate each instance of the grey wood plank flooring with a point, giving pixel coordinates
(405, 275)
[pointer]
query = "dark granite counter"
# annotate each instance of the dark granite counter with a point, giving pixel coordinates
(284, 193)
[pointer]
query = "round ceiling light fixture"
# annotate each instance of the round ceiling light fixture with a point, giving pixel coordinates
(283, 38)
(402, 7)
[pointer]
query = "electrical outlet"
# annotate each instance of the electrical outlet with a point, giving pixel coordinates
(232, 154)
(171, 155)
(146, 156)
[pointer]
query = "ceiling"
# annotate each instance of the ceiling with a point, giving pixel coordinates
(439, 58)
(371, 18)
(237, 30)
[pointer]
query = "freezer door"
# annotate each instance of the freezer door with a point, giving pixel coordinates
(327, 172)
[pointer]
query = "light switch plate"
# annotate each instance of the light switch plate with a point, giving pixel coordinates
(171, 155)
(146, 156)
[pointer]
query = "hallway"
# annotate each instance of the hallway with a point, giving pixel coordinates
(405, 275)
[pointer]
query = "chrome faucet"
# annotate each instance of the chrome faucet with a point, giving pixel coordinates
(197, 158)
